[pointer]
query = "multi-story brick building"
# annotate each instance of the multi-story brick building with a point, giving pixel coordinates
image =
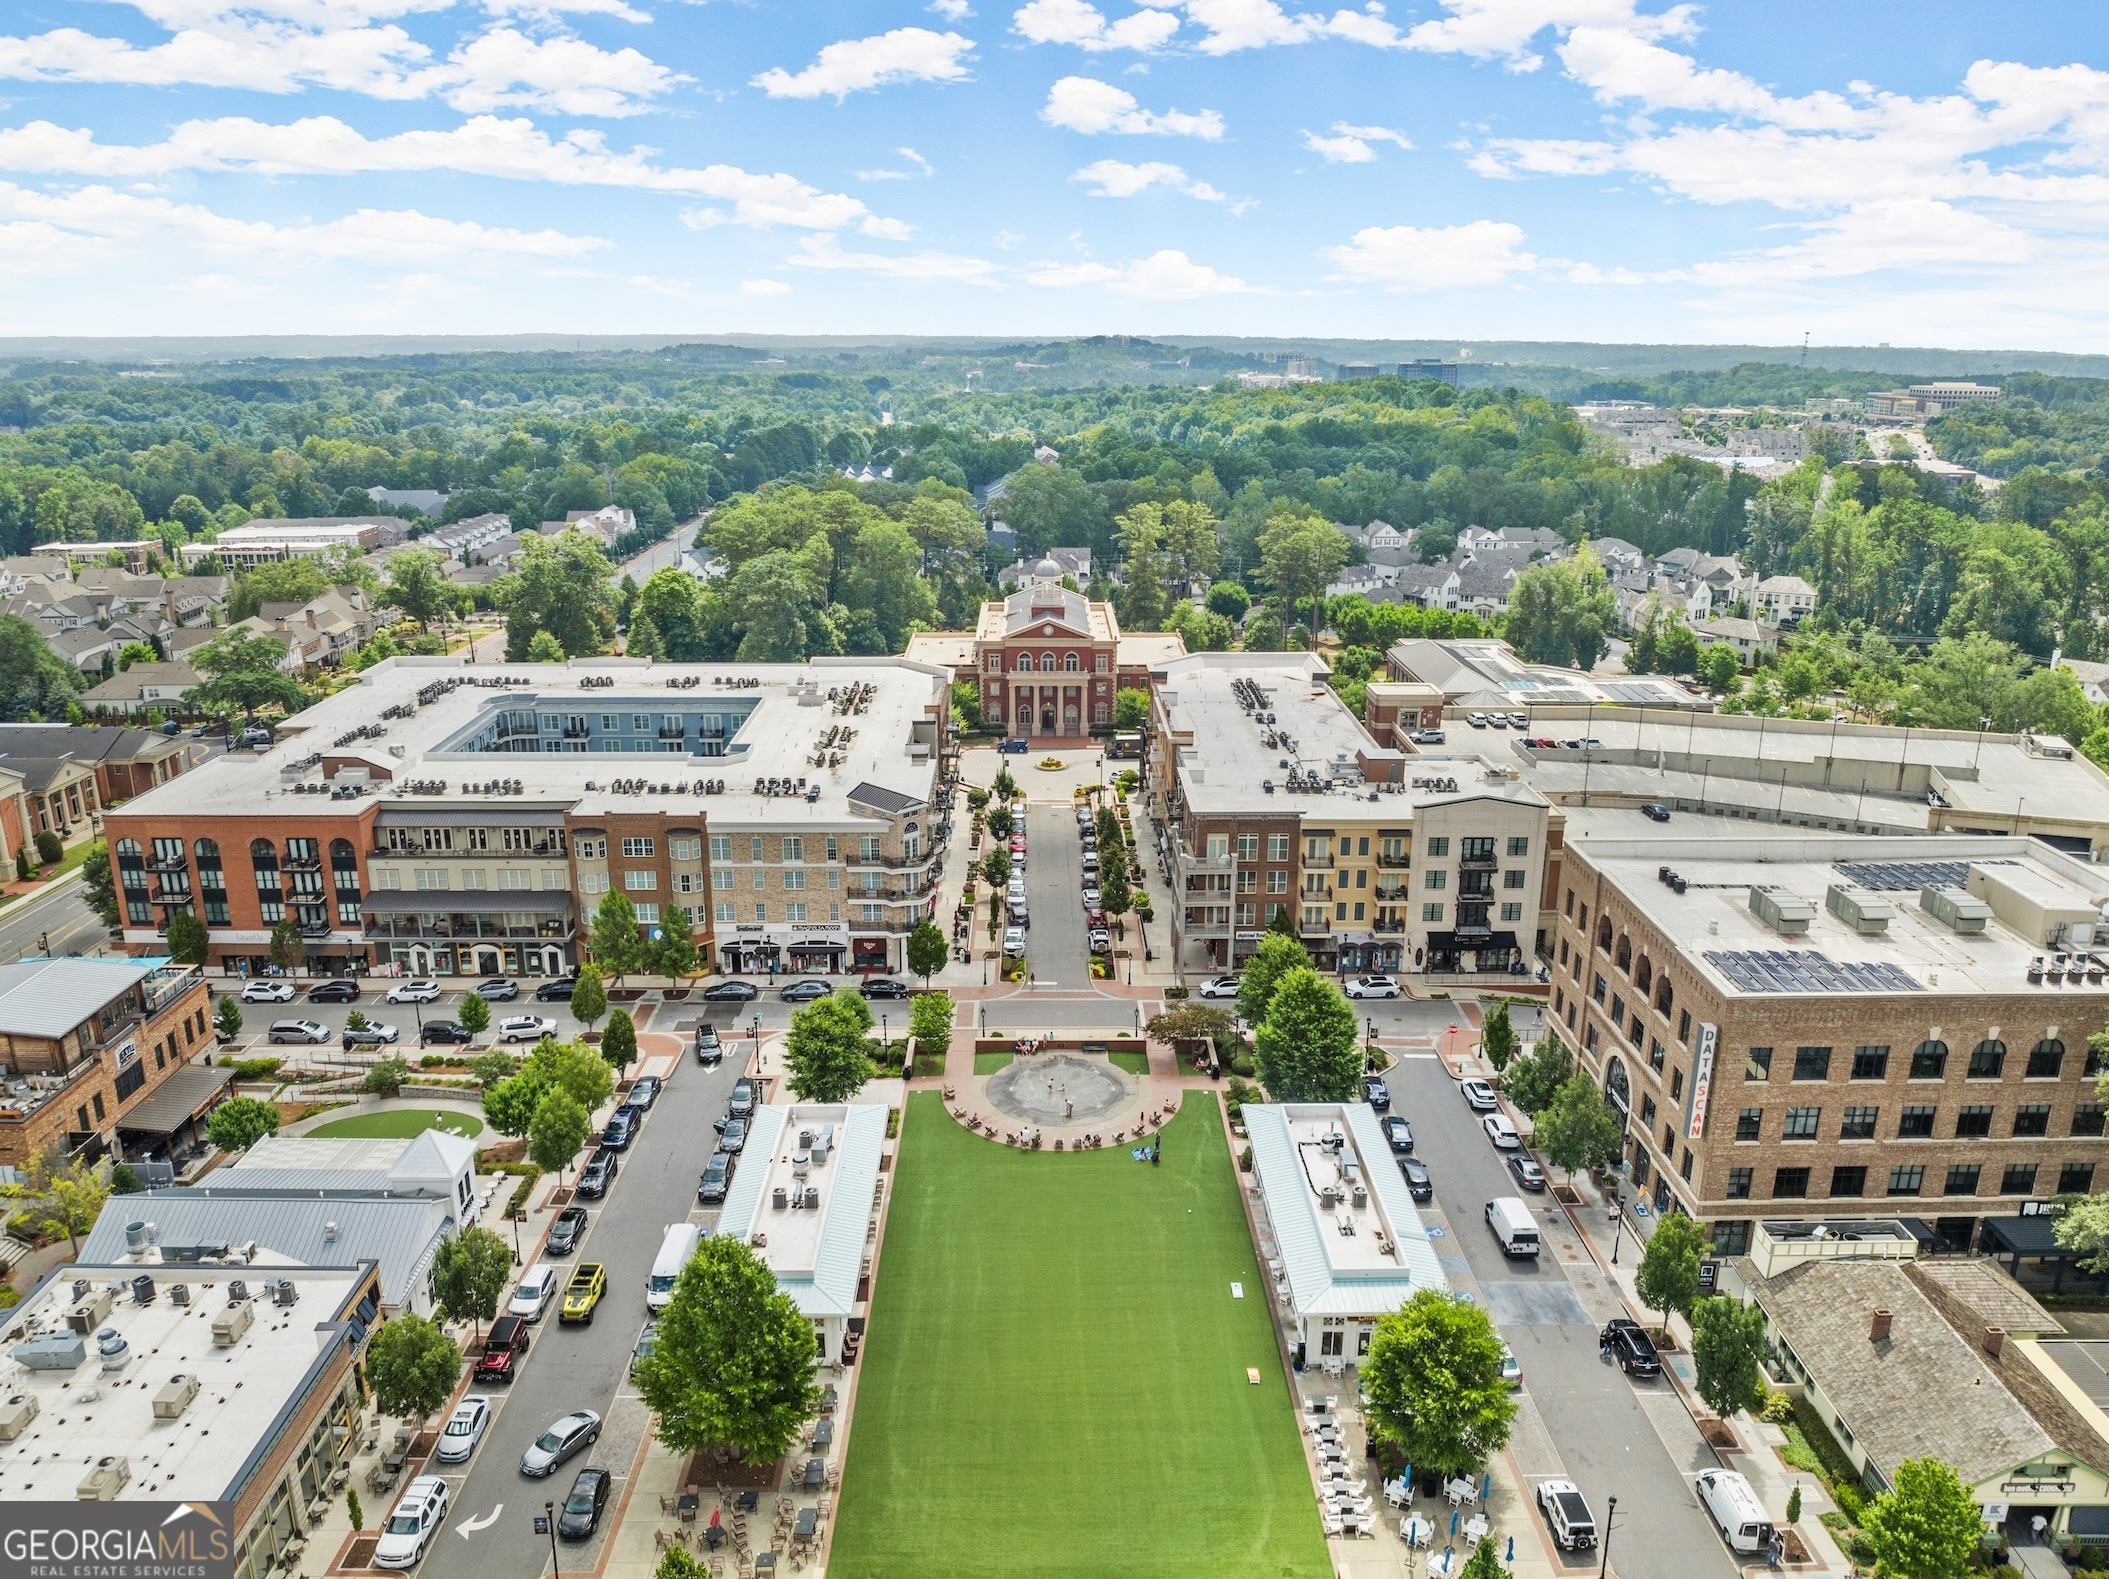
(1815, 1023)
(94, 1055)
(1073, 651)
(452, 820)
(1273, 797)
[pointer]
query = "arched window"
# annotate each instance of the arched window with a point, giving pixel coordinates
(1047, 663)
(2045, 1058)
(1663, 996)
(1643, 973)
(1929, 1061)
(262, 853)
(128, 848)
(1987, 1060)
(1624, 955)
(207, 851)
(1603, 932)
(1069, 664)
(1025, 663)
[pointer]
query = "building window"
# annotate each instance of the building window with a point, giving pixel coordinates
(1684, 1027)
(1512, 912)
(1812, 1063)
(1757, 1065)
(431, 877)
(1801, 1123)
(2044, 1059)
(640, 882)
(1905, 1178)
(1647, 1112)
(1732, 1237)
(1431, 912)
(1277, 846)
(1929, 1061)
(1858, 1123)
(1847, 1183)
(1973, 1122)
(1278, 883)
(1915, 1123)
(727, 912)
(1596, 988)
(1656, 1053)
(1790, 1184)
(2087, 1119)
(1519, 844)
(2019, 1179)
(1513, 878)
(638, 847)
(1437, 879)
(1987, 1059)
(721, 847)
(1750, 1124)
(1439, 846)
(1618, 1012)
(1870, 1063)
(872, 913)
(2076, 1178)
(1962, 1178)
(2032, 1118)
(1739, 1184)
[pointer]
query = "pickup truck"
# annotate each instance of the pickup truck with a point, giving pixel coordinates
(502, 1349)
(1567, 1513)
(587, 1285)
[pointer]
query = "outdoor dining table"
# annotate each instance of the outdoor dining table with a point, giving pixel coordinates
(748, 1501)
(686, 1505)
(816, 1472)
(765, 1562)
(808, 1524)
(394, 1462)
(1415, 1530)
(714, 1536)
(824, 1433)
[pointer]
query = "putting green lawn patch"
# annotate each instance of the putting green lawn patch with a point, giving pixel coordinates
(400, 1124)
(989, 1063)
(1055, 1381)
(1134, 1063)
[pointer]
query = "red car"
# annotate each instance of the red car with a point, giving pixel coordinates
(502, 1349)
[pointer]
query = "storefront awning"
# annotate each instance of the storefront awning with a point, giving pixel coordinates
(177, 1100)
(467, 902)
(1451, 943)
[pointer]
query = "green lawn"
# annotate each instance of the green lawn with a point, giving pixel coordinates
(1134, 1063)
(1055, 1381)
(989, 1063)
(400, 1124)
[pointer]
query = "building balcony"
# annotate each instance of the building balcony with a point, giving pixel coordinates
(303, 863)
(169, 983)
(1318, 863)
(158, 865)
(1395, 862)
(1387, 926)
(666, 732)
(1392, 896)
(1190, 862)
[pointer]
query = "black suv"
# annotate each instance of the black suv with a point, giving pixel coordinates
(558, 990)
(710, 1189)
(742, 1102)
(599, 1173)
(709, 1050)
(334, 992)
(621, 1129)
(444, 1031)
(1376, 1093)
(1627, 1342)
(566, 1232)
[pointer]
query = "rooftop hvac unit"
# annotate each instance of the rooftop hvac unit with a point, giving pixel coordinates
(1361, 1198)
(55, 1351)
(175, 1396)
(179, 1294)
(114, 1348)
(777, 1199)
(1954, 909)
(812, 1198)
(288, 1291)
(1781, 909)
(91, 1312)
(1865, 913)
(143, 1290)
(15, 1415)
(105, 1481)
(230, 1324)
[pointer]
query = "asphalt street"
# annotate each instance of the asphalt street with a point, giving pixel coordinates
(1550, 1312)
(1057, 946)
(257, 1018)
(585, 1366)
(62, 920)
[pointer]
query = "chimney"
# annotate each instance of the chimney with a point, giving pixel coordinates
(1878, 1328)
(1995, 1340)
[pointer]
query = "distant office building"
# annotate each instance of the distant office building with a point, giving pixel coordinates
(1349, 370)
(1928, 400)
(1430, 367)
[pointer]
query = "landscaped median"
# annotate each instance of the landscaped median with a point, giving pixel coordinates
(1056, 1381)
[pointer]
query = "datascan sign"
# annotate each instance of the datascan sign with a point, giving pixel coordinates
(116, 1540)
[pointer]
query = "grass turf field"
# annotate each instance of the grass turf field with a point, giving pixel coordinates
(400, 1124)
(1054, 1382)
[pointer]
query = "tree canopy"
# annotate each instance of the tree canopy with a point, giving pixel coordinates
(1433, 1387)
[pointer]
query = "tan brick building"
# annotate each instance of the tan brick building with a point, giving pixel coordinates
(1829, 1024)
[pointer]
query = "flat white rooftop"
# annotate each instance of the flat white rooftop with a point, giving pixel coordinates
(816, 1250)
(89, 1413)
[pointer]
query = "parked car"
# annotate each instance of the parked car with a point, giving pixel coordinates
(620, 1129)
(1573, 1525)
(525, 1028)
(598, 1174)
(502, 1347)
(374, 1033)
(530, 1301)
(558, 989)
(716, 1180)
(566, 1232)
(1014, 941)
(1519, 720)
(732, 1135)
(647, 1341)
(1418, 1184)
(709, 1050)
(464, 1429)
(559, 1442)
(448, 1032)
(586, 1502)
(1218, 987)
(742, 1103)
(1501, 1132)
(805, 991)
(267, 992)
(1478, 1095)
(1101, 940)
(1093, 898)
(730, 991)
(1012, 747)
(421, 989)
(1476, 720)
(1627, 1342)
(335, 992)
(1372, 987)
(1498, 720)
(1376, 1093)
(644, 1091)
(1427, 737)
(1655, 811)
(1511, 1367)
(1528, 1173)
(253, 738)
(298, 1031)
(583, 1292)
(884, 987)
(418, 1514)
(1397, 1133)
(497, 989)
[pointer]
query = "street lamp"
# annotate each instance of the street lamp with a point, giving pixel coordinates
(516, 1237)
(549, 1523)
(1604, 1562)
(885, 1035)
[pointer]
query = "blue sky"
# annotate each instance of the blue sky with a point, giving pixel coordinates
(1936, 174)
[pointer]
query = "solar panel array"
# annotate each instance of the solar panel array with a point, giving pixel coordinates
(1788, 970)
(1900, 876)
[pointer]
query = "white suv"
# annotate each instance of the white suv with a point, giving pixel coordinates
(421, 990)
(410, 1528)
(531, 1298)
(1013, 940)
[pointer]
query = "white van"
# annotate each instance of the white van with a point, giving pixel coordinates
(674, 1251)
(1735, 1510)
(1513, 1225)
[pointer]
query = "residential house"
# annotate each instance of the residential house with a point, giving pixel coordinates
(142, 686)
(328, 627)
(1782, 600)
(1074, 562)
(18, 569)
(1430, 586)
(1483, 589)
(298, 646)
(1750, 641)
(1373, 581)
(605, 525)
(1386, 544)
(85, 647)
(2093, 677)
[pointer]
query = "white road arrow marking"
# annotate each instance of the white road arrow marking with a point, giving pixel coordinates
(469, 1527)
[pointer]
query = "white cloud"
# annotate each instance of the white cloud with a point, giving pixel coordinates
(907, 54)
(1486, 29)
(1079, 23)
(1167, 276)
(1232, 25)
(568, 75)
(923, 168)
(825, 252)
(1112, 178)
(1351, 144)
(951, 10)
(764, 288)
(1084, 104)
(1407, 258)
(502, 148)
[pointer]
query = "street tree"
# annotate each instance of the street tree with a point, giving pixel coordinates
(1305, 1047)
(1728, 1340)
(575, 1068)
(557, 1130)
(674, 954)
(826, 1056)
(927, 950)
(243, 672)
(1483, 1563)
(1668, 1276)
(474, 1013)
(618, 947)
(98, 883)
(1581, 1129)
(1533, 1081)
(469, 1271)
(412, 1366)
(1433, 1385)
(996, 868)
(1192, 1021)
(416, 586)
(188, 942)
(287, 947)
(59, 1196)
(227, 1017)
(1927, 1525)
(1276, 956)
(589, 994)
(1131, 709)
(1497, 1038)
(240, 1122)
(930, 1021)
(1001, 822)
(732, 1367)
(619, 1044)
